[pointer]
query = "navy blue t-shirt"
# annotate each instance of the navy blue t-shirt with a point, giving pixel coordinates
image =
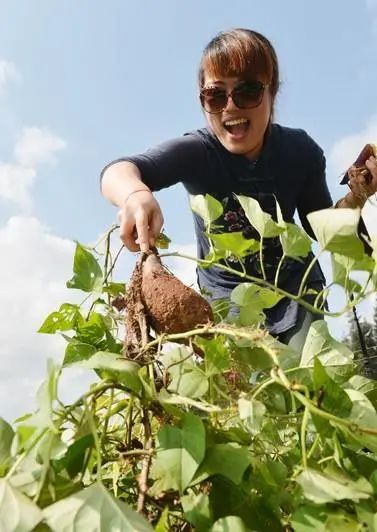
(290, 168)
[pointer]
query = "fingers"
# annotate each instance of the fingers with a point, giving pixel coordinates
(142, 230)
(155, 227)
(137, 232)
(128, 234)
(371, 164)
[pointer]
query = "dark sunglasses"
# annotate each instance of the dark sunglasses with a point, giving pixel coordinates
(246, 95)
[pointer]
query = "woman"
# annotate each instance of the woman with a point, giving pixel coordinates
(240, 151)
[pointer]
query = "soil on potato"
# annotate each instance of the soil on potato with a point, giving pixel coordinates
(156, 298)
(171, 306)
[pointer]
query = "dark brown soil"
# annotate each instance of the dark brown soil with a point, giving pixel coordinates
(170, 306)
(157, 299)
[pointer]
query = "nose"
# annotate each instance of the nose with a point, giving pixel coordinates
(230, 105)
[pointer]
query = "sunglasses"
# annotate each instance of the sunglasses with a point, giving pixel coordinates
(246, 95)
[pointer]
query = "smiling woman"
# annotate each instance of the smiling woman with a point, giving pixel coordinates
(240, 152)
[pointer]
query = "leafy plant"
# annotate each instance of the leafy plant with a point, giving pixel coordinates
(248, 435)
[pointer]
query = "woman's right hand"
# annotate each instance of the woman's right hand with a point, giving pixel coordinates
(140, 220)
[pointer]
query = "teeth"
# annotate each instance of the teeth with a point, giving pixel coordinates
(236, 122)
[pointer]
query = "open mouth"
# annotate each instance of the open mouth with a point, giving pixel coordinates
(237, 127)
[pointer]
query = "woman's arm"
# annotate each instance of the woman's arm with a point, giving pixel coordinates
(140, 216)
(129, 183)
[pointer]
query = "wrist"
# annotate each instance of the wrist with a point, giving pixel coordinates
(354, 200)
(135, 192)
(350, 201)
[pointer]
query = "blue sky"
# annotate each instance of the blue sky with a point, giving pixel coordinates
(84, 82)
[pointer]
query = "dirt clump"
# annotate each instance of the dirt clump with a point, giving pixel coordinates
(171, 306)
(156, 299)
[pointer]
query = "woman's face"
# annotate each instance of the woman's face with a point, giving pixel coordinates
(240, 131)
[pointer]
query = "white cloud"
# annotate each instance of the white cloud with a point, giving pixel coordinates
(8, 73)
(345, 151)
(15, 183)
(33, 269)
(35, 146)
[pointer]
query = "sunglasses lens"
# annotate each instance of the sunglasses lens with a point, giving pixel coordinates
(213, 100)
(248, 95)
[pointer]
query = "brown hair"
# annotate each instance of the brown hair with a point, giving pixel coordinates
(241, 52)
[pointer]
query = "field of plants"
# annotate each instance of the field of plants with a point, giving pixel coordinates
(215, 426)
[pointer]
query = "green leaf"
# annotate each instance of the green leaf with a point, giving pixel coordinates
(363, 414)
(207, 207)
(367, 515)
(366, 386)
(231, 523)
(251, 413)
(73, 460)
(115, 367)
(93, 509)
(77, 351)
(319, 343)
(191, 383)
(87, 272)
(253, 299)
(197, 510)
(17, 512)
(341, 268)
(46, 397)
(115, 289)
(262, 221)
(235, 243)
(321, 488)
(162, 241)
(187, 379)
(336, 231)
(65, 319)
(294, 241)
(6, 439)
(217, 357)
(227, 459)
(333, 398)
(163, 522)
(319, 519)
(179, 454)
(92, 330)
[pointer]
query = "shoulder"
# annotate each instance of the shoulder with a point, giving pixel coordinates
(295, 140)
(205, 137)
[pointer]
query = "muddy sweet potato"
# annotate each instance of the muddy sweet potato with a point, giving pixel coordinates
(156, 299)
(170, 306)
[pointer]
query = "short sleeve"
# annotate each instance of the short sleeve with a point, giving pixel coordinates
(173, 161)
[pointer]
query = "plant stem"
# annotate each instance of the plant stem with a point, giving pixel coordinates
(278, 269)
(261, 387)
(129, 422)
(97, 444)
(304, 425)
(107, 419)
(314, 446)
(262, 282)
(261, 258)
(209, 329)
(307, 272)
(143, 477)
